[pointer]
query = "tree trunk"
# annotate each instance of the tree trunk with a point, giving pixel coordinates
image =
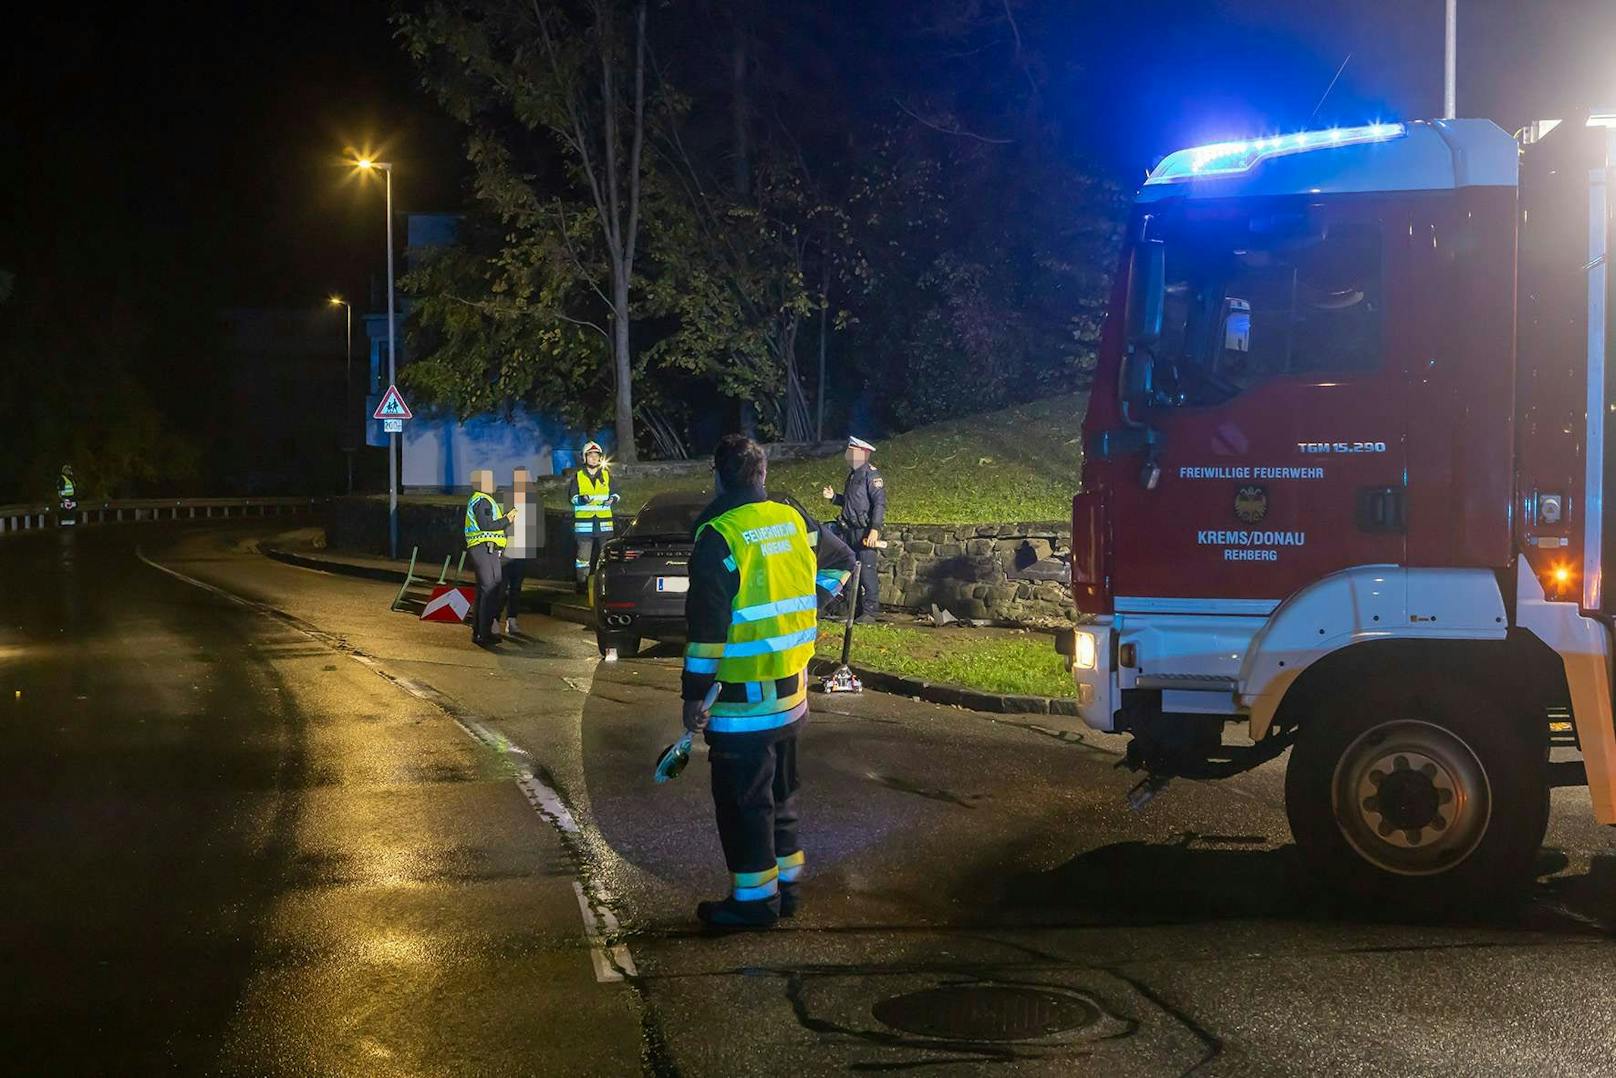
(623, 367)
(738, 107)
(824, 318)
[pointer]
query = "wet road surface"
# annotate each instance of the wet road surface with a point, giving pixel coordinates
(272, 828)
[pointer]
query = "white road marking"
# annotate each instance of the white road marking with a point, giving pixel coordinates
(622, 963)
(612, 961)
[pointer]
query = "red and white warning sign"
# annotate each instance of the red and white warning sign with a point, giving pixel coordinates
(392, 406)
(448, 603)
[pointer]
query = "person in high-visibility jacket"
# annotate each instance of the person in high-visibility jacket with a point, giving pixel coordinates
(759, 573)
(487, 531)
(67, 506)
(592, 499)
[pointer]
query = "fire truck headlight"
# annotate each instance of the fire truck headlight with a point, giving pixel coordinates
(1084, 654)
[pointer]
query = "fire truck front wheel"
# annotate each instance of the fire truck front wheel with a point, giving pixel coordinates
(1429, 797)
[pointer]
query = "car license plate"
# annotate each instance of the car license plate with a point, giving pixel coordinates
(673, 583)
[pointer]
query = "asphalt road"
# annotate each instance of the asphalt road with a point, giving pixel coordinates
(258, 824)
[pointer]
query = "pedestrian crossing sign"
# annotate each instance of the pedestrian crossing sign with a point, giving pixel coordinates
(392, 406)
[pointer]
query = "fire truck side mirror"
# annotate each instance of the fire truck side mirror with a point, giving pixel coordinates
(1147, 289)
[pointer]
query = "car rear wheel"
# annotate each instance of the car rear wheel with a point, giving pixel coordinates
(627, 646)
(1418, 799)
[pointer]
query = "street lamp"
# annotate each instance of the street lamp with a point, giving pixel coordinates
(347, 386)
(366, 164)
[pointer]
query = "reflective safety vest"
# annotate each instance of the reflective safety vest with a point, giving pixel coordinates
(595, 514)
(65, 487)
(774, 621)
(474, 534)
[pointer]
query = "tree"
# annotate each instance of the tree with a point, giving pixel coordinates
(892, 168)
(510, 69)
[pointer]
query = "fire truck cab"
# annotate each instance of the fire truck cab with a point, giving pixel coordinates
(1344, 486)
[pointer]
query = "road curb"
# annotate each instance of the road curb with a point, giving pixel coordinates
(952, 695)
(538, 602)
(552, 606)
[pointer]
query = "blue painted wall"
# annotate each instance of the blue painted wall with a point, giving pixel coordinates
(439, 452)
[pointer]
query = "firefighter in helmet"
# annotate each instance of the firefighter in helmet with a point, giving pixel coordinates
(592, 499)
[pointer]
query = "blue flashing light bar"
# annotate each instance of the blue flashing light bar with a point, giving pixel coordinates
(1229, 158)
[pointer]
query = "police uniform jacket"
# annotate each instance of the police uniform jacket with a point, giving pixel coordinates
(709, 607)
(863, 500)
(482, 511)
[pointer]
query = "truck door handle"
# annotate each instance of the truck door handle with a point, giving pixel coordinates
(1383, 509)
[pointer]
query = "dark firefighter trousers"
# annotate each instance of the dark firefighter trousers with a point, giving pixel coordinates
(754, 792)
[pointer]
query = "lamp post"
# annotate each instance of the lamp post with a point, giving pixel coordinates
(365, 164)
(1450, 61)
(347, 386)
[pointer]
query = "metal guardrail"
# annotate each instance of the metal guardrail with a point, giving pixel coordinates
(17, 518)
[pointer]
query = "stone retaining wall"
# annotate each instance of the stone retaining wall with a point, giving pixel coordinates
(1003, 572)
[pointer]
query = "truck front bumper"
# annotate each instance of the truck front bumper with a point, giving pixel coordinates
(1090, 651)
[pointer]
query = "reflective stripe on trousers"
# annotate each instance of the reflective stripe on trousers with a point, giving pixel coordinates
(755, 886)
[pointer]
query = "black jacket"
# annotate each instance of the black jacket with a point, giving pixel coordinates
(710, 604)
(863, 500)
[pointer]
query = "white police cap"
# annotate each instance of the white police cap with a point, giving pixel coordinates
(859, 443)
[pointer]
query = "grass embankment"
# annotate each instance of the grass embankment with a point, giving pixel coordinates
(1012, 465)
(989, 660)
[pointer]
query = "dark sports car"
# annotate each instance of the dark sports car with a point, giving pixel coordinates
(639, 589)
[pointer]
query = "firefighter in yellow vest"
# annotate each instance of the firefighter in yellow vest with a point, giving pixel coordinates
(592, 499)
(759, 573)
(487, 531)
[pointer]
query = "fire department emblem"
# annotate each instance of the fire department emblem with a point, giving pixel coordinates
(1251, 504)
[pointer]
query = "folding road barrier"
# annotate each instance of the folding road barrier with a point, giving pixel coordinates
(416, 599)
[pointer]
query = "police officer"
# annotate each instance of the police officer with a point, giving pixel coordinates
(759, 573)
(487, 528)
(592, 499)
(864, 512)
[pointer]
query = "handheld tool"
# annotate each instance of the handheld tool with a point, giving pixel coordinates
(842, 679)
(673, 759)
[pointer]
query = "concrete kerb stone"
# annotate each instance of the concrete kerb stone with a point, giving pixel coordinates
(555, 606)
(952, 695)
(560, 607)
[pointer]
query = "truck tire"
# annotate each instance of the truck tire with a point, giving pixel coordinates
(1421, 797)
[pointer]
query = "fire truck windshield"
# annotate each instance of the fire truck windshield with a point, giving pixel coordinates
(1245, 304)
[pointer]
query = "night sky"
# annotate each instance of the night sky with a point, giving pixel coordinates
(202, 151)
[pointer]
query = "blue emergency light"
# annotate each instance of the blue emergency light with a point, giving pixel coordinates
(1227, 158)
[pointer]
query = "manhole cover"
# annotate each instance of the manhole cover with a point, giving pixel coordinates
(986, 1012)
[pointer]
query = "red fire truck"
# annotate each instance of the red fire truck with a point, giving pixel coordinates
(1344, 484)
